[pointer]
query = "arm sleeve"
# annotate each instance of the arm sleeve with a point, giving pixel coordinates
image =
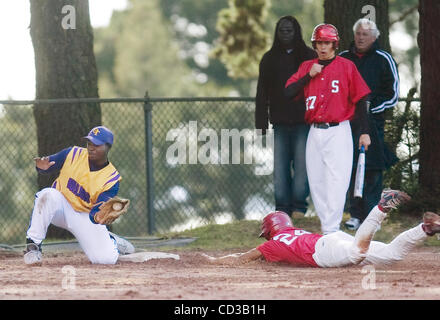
(103, 197)
(296, 83)
(387, 94)
(270, 251)
(262, 98)
(361, 116)
(59, 159)
(294, 88)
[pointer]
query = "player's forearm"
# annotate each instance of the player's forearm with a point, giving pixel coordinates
(103, 197)
(361, 114)
(294, 88)
(230, 259)
(235, 258)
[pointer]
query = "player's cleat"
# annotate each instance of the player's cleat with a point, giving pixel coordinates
(391, 199)
(353, 224)
(32, 254)
(431, 223)
(124, 246)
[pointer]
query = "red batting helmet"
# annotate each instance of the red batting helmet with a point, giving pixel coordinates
(325, 32)
(274, 222)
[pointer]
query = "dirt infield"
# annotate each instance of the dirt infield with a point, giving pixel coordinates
(71, 276)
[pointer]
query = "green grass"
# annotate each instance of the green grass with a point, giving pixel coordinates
(237, 235)
(243, 235)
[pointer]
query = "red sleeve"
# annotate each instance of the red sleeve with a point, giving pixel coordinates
(358, 88)
(271, 251)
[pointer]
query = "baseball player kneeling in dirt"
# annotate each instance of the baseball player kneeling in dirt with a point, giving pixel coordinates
(298, 247)
(82, 200)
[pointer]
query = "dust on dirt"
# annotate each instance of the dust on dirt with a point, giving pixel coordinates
(72, 276)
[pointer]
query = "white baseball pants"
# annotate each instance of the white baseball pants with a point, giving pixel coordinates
(52, 207)
(329, 160)
(341, 249)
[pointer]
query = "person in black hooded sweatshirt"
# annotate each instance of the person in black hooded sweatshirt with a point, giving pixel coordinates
(286, 115)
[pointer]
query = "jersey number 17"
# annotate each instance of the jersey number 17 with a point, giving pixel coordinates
(310, 101)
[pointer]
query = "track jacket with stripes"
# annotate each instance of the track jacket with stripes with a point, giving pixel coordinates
(379, 70)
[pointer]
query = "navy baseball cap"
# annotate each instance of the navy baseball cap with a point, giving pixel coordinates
(100, 135)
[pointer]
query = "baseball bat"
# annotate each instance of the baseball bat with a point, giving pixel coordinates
(360, 174)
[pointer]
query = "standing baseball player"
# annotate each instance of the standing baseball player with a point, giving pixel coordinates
(335, 93)
(339, 249)
(86, 180)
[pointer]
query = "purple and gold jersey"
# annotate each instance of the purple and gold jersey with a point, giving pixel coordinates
(79, 184)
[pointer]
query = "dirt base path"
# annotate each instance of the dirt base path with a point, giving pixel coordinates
(71, 276)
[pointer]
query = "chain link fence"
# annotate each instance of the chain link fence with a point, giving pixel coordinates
(185, 162)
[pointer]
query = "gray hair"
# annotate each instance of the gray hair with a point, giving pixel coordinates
(367, 24)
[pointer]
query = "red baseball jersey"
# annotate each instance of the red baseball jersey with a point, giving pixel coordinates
(331, 96)
(291, 245)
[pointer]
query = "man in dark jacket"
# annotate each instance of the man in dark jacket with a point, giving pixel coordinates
(287, 117)
(379, 71)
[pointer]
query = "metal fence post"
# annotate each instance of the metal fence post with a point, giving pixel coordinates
(149, 164)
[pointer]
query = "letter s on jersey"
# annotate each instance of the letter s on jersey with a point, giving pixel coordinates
(335, 86)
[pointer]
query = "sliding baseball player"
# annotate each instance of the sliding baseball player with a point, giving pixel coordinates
(339, 249)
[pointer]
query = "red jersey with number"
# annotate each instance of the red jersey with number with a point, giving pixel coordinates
(331, 96)
(291, 245)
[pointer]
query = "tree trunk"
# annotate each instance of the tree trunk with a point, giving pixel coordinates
(428, 41)
(344, 13)
(65, 65)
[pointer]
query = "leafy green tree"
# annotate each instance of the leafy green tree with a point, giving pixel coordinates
(194, 24)
(137, 52)
(243, 39)
(308, 13)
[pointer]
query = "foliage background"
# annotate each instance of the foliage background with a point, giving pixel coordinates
(166, 47)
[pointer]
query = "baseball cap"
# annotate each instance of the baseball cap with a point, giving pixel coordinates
(100, 135)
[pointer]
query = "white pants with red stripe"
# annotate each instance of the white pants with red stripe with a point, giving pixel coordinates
(51, 207)
(341, 249)
(329, 160)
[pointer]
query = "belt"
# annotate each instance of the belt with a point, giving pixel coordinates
(325, 125)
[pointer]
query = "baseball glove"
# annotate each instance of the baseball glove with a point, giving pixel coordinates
(111, 210)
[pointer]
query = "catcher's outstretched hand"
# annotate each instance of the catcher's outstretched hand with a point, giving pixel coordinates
(43, 163)
(111, 210)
